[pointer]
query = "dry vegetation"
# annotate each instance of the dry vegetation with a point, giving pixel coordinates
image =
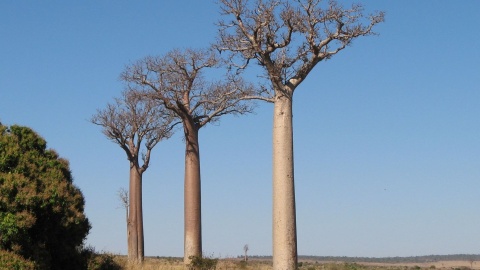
(177, 264)
(152, 263)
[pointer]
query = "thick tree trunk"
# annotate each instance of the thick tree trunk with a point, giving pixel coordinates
(284, 216)
(192, 195)
(135, 217)
(132, 218)
(140, 243)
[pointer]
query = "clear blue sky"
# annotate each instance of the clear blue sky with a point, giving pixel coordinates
(387, 133)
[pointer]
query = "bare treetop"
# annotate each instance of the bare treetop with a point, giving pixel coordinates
(289, 38)
(131, 120)
(177, 81)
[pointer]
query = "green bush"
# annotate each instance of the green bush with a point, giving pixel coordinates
(462, 268)
(354, 266)
(103, 262)
(99, 261)
(12, 261)
(200, 263)
(242, 264)
(41, 210)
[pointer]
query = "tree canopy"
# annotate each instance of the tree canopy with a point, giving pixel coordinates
(289, 38)
(41, 211)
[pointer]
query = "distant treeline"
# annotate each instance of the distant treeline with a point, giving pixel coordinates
(414, 259)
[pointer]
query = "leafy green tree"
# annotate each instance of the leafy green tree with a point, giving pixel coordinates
(41, 211)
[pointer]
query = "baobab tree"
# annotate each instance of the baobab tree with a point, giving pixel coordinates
(245, 250)
(176, 80)
(287, 39)
(136, 124)
(124, 202)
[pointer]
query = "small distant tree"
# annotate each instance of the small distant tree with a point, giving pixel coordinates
(124, 203)
(135, 124)
(245, 249)
(287, 38)
(42, 217)
(176, 80)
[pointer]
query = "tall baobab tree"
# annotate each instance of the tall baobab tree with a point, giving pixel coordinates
(176, 80)
(129, 122)
(287, 39)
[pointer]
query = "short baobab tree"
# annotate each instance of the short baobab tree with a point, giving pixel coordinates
(122, 195)
(177, 81)
(245, 250)
(136, 124)
(287, 38)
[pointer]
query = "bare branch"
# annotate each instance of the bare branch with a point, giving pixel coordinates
(176, 81)
(289, 38)
(133, 120)
(123, 197)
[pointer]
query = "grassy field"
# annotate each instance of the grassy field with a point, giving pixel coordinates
(237, 264)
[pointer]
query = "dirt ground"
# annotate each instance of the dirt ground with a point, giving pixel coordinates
(262, 264)
(439, 264)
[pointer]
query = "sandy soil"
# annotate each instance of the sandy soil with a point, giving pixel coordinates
(439, 264)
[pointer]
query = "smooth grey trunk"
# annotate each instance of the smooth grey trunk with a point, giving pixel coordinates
(192, 194)
(132, 219)
(135, 217)
(284, 217)
(140, 243)
(128, 228)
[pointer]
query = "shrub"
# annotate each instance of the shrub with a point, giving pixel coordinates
(200, 263)
(12, 261)
(99, 261)
(353, 266)
(242, 264)
(103, 262)
(41, 210)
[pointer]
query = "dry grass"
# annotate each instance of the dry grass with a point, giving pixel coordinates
(152, 264)
(177, 264)
(236, 264)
